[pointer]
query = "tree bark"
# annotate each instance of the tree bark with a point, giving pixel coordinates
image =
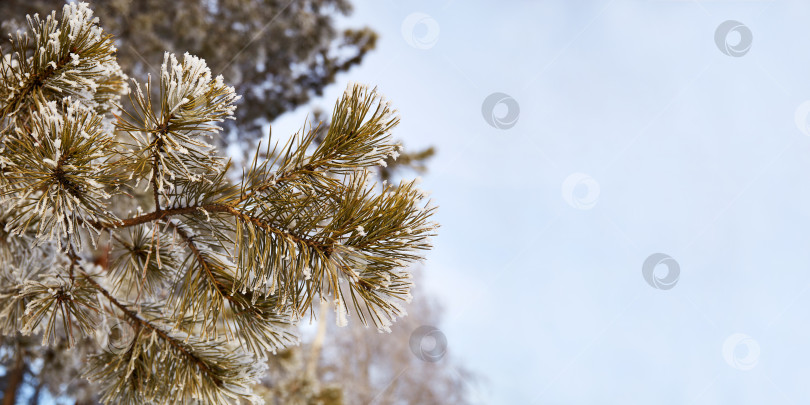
(15, 378)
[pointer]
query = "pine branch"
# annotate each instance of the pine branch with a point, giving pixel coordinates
(148, 325)
(160, 215)
(259, 322)
(71, 57)
(215, 275)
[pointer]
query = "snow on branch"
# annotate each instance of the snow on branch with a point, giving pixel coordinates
(207, 275)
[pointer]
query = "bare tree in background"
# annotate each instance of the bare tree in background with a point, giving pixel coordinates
(356, 365)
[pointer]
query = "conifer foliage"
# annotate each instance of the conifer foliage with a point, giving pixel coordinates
(125, 228)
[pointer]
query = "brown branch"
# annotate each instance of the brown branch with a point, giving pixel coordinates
(16, 374)
(237, 306)
(267, 227)
(165, 336)
(74, 259)
(160, 130)
(189, 239)
(221, 208)
(155, 173)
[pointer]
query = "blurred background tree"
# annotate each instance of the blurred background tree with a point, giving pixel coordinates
(357, 365)
(279, 55)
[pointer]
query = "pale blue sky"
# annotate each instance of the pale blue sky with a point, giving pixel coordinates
(696, 154)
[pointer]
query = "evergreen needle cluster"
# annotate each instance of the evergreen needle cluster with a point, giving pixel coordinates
(126, 229)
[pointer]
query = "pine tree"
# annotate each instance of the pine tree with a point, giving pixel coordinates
(201, 276)
(277, 53)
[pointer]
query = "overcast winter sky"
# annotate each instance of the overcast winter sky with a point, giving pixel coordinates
(643, 127)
